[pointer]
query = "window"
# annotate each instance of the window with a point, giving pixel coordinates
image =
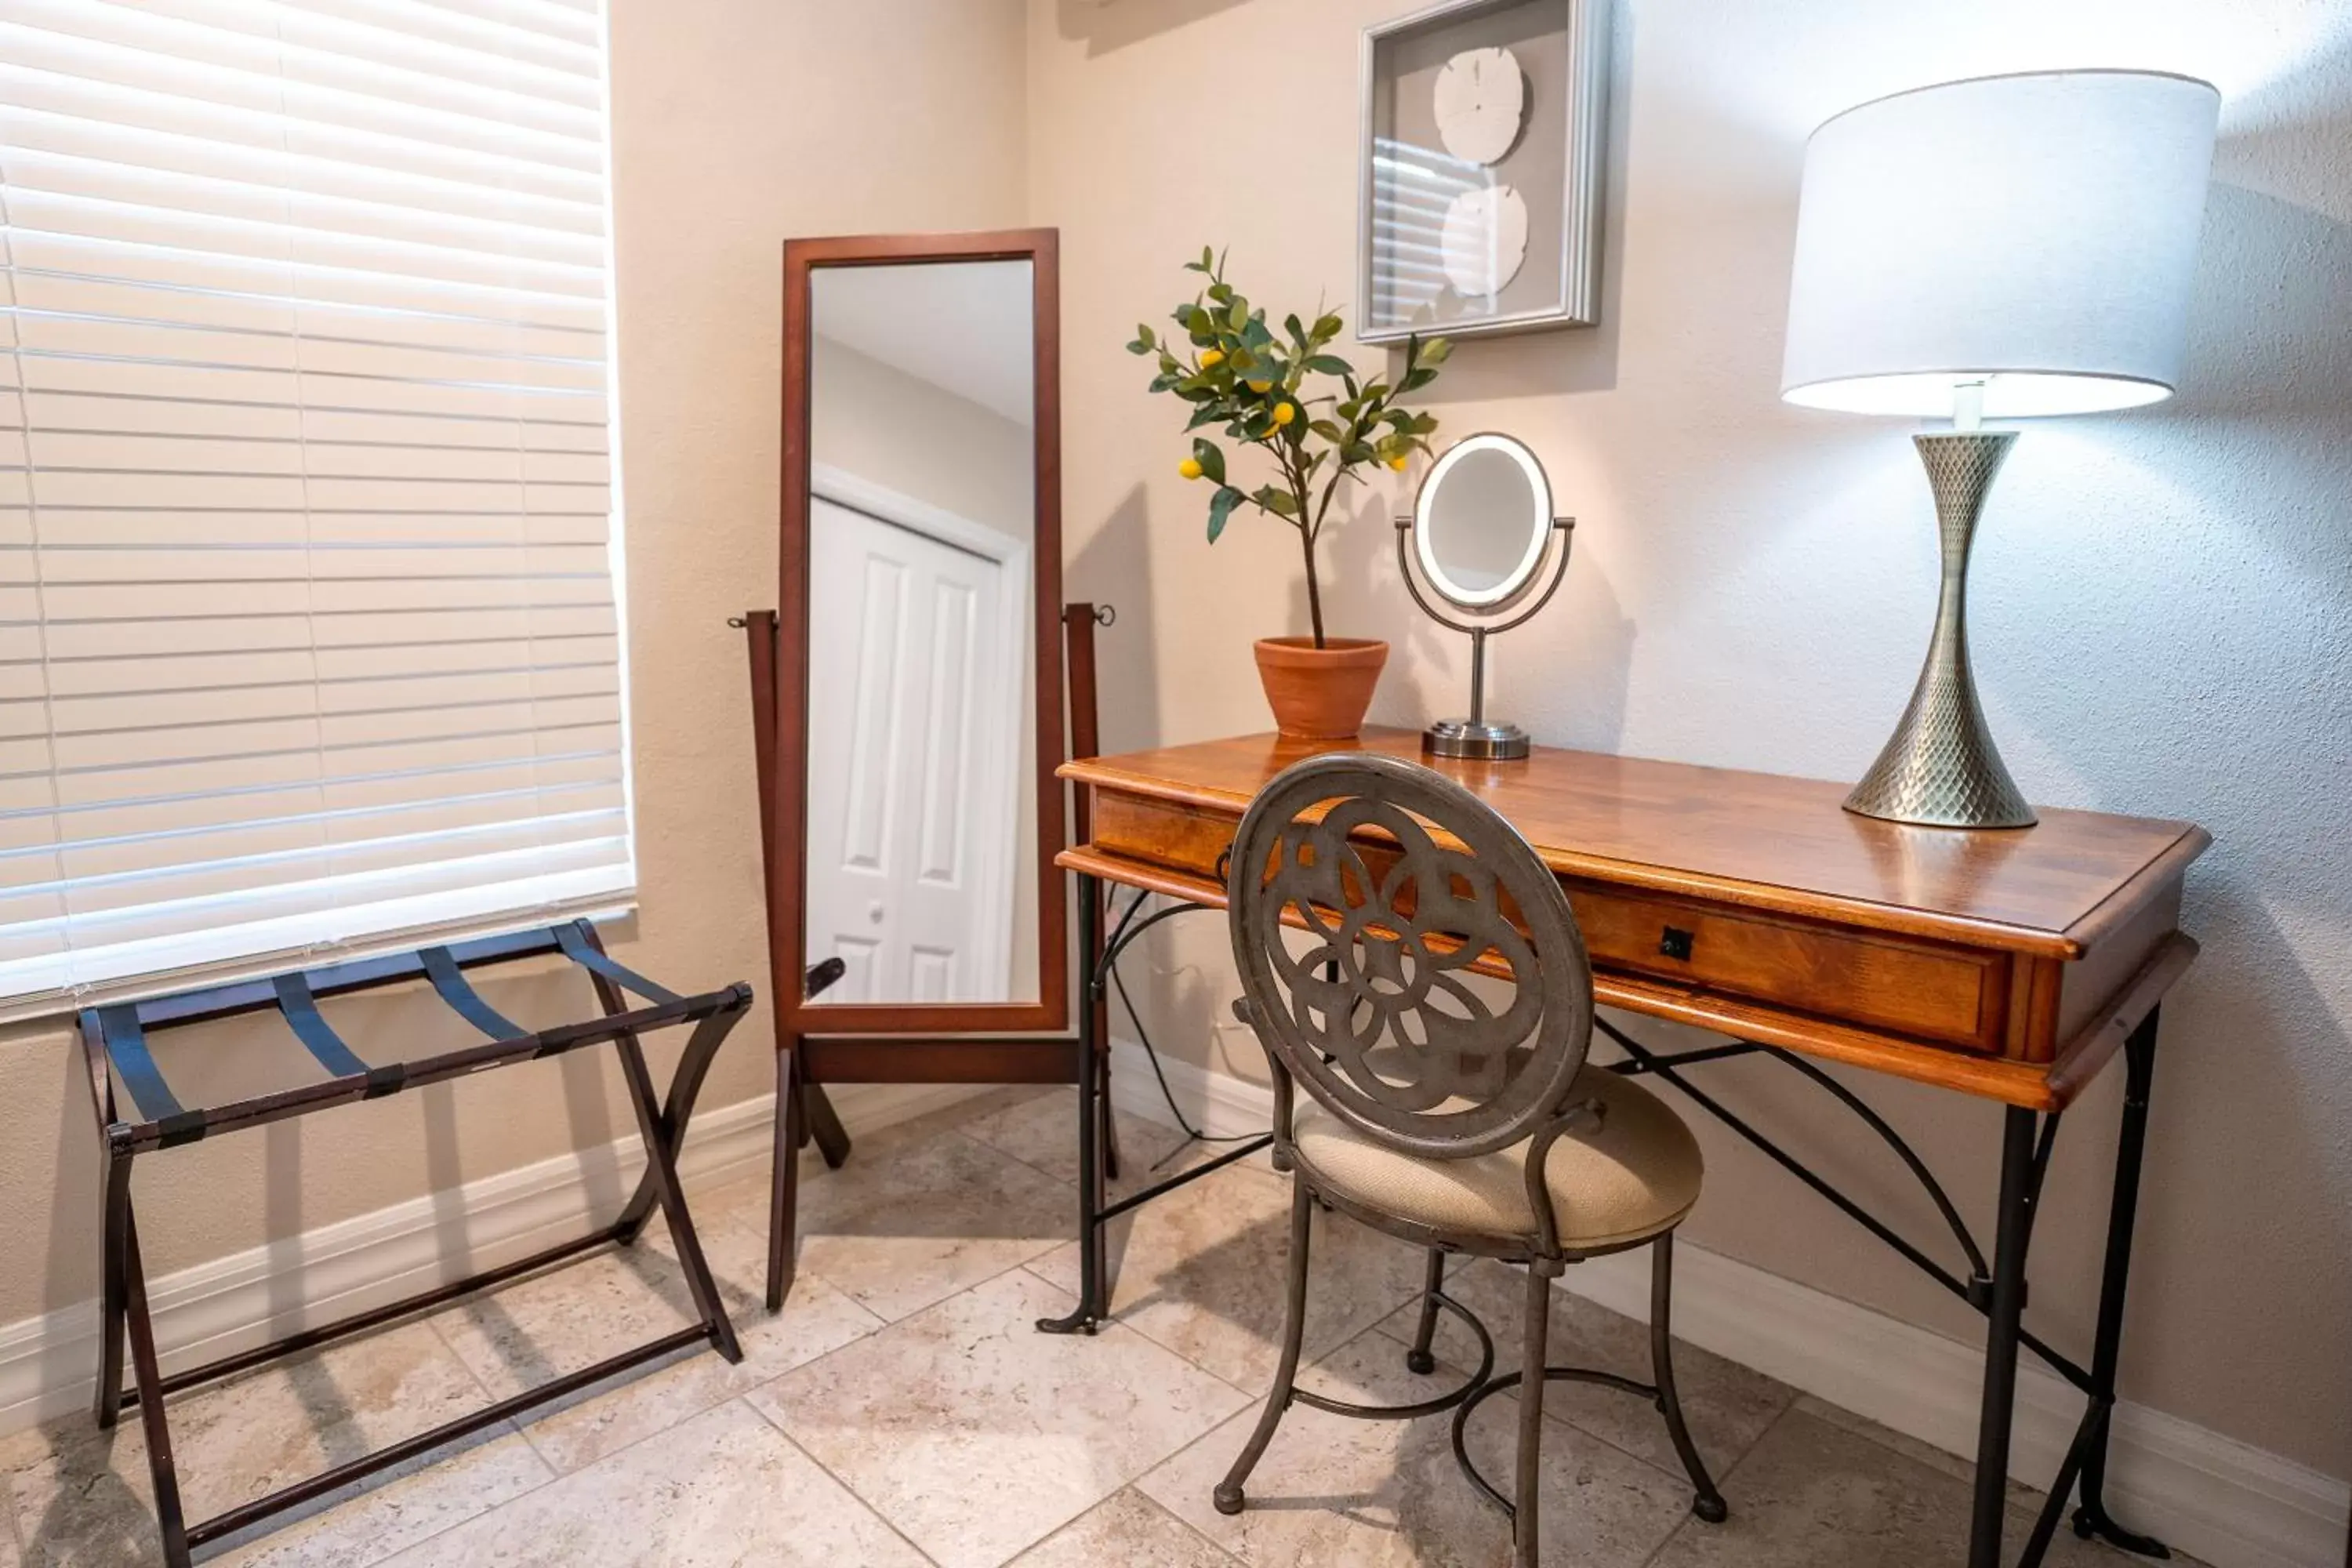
(307, 622)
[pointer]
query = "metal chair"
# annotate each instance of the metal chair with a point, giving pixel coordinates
(1365, 893)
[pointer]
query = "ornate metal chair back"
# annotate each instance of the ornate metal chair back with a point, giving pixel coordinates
(1365, 894)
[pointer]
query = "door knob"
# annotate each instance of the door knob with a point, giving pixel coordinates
(874, 912)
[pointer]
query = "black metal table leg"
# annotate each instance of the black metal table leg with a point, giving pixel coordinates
(2139, 1070)
(1093, 1292)
(2005, 1314)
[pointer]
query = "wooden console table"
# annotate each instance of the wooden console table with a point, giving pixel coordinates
(2008, 964)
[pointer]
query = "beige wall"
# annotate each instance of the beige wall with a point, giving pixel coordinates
(2163, 611)
(735, 126)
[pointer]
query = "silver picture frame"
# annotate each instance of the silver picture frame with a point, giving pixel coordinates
(1402, 173)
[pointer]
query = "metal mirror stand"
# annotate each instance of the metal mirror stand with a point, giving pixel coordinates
(1474, 737)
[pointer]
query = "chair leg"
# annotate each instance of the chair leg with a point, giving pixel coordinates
(1526, 1497)
(1228, 1494)
(1708, 1504)
(1419, 1358)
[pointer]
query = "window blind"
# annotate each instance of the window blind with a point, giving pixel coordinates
(308, 626)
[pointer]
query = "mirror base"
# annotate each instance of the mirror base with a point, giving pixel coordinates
(1475, 741)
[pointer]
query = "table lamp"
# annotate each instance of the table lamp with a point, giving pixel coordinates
(1997, 249)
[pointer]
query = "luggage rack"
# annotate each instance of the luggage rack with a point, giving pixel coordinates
(114, 1041)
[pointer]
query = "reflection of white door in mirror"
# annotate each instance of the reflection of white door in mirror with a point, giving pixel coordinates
(914, 760)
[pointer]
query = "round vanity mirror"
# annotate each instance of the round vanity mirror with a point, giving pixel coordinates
(1482, 520)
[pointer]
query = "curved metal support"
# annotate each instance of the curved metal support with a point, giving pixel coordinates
(1126, 937)
(1902, 1147)
(1512, 1380)
(1468, 1391)
(1971, 1291)
(1563, 526)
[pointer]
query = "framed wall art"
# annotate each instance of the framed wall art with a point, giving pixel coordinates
(1482, 168)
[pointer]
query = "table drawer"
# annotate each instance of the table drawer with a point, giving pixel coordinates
(1951, 995)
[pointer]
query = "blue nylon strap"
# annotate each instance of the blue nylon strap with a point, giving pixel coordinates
(126, 1046)
(301, 1012)
(573, 939)
(463, 999)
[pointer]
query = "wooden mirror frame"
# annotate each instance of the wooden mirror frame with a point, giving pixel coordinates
(787, 859)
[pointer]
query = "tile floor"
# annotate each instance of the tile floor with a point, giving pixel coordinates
(902, 1411)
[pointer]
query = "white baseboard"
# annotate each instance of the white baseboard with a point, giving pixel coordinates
(47, 1364)
(2210, 1495)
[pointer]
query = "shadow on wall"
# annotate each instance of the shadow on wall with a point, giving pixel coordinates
(1114, 567)
(1109, 25)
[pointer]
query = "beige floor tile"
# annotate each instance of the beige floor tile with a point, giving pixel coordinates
(918, 1214)
(414, 1504)
(1129, 1531)
(1333, 1490)
(1728, 1405)
(1203, 1269)
(1813, 1494)
(579, 1315)
(724, 1488)
(976, 1435)
(1042, 1131)
(85, 1496)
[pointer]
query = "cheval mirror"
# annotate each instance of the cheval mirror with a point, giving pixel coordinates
(908, 690)
(918, 676)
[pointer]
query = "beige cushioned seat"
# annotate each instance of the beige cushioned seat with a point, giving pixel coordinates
(1630, 1179)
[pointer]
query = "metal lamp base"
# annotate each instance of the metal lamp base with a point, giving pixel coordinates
(1475, 741)
(1940, 767)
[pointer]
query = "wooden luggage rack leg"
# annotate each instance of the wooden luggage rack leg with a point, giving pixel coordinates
(115, 1048)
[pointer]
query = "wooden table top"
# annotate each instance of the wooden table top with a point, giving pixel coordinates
(1763, 840)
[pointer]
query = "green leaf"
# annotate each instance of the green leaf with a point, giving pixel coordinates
(1329, 431)
(1280, 502)
(1201, 325)
(1436, 351)
(1417, 379)
(1207, 413)
(1221, 507)
(1328, 327)
(1255, 334)
(1329, 364)
(1210, 456)
(1240, 359)
(1290, 324)
(1221, 291)
(1239, 316)
(1163, 381)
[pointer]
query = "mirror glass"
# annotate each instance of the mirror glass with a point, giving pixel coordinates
(1482, 520)
(922, 839)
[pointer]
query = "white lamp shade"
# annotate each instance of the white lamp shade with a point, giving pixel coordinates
(2036, 234)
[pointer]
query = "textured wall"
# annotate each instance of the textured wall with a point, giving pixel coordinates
(2163, 610)
(734, 126)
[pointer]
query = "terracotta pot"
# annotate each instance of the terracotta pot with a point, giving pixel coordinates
(1320, 693)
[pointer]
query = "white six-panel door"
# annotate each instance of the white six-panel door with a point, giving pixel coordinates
(908, 659)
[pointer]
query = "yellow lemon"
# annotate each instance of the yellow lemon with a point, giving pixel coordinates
(1211, 358)
(1284, 413)
(1399, 461)
(1189, 467)
(1261, 387)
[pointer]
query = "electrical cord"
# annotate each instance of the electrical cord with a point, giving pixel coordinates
(1191, 1135)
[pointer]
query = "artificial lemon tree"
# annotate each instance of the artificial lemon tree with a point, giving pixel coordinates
(1254, 383)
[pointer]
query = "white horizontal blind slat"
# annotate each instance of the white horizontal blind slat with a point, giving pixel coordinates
(308, 634)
